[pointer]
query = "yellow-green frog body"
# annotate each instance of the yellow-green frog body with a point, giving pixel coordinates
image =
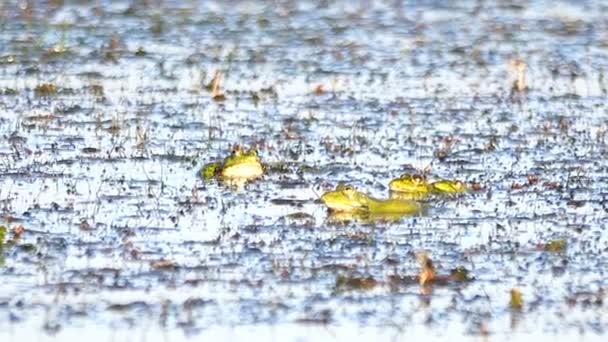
(409, 184)
(346, 199)
(240, 166)
(447, 186)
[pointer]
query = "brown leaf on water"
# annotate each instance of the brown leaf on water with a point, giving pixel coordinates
(552, 185)
(218, 97)
(519, 66)
(476, 186)
(319, 90)
(516, 186)
(216, 93)
(163, 264)
(18, 231)
(532, 179)
(84, 225)
(427, 273)
(214, 87)
(576, 204)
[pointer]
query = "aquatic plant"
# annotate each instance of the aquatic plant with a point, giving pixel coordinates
(45, 89)
(516, 302)
(2, 235)
(344, 283)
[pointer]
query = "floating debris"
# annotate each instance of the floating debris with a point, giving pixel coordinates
(520, 68)
(477, 186)
(262, 22)
(516, 301)
(346, 283)
(45, 89)
(532, 179)
(97, 90)
(140, 52)
(17, 232)
(214, 87)
(427, 273)
(319, 90)
(554, 246)
(163, 264)
(58, 49)
(460, 274)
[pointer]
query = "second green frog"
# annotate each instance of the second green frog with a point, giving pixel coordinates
(345, 198)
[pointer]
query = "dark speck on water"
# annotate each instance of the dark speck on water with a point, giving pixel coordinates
(109, 109)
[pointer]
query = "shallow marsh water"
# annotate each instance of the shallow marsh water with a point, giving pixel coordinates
(122, 235)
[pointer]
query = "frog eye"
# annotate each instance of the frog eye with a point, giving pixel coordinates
(349, 192)
(252, 152)
(340, 187)
(404, 176)
(236, 150)
(417, 179)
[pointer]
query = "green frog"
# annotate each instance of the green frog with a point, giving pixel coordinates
(240, 166)
(346, 198)
(409, 184)
(447, 186)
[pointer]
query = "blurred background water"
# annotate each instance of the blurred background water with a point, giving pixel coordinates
(106, 119)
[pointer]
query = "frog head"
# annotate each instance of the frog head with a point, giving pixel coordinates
(242, 164)
(345, 198)
(409, 183)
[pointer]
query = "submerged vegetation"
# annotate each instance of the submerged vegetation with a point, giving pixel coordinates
(45, 89)
(344, 283)
(555, 245)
